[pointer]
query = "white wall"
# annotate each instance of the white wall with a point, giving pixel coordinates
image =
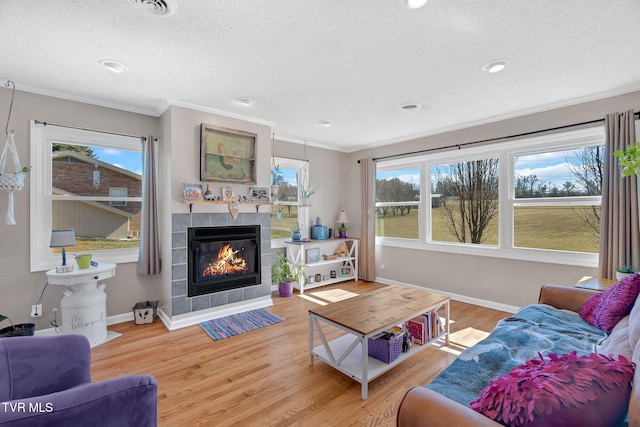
(504, 281)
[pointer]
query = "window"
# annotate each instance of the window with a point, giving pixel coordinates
(556, 203)
(535, 199)
(90, 182)
(287, 176)
(467, 204)
(117, 192)
(398, 202)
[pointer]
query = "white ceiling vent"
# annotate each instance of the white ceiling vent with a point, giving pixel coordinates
(155, 7)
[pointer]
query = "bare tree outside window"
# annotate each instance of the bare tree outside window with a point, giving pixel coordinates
(587, 167)
(470, 194)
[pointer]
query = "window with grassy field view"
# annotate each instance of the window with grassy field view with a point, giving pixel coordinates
(537, 198)
(397, 202)
(467, 203)
(286, 175)
(91, 182)
(556, 203)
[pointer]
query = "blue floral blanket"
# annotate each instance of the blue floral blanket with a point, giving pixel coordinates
(537, 328)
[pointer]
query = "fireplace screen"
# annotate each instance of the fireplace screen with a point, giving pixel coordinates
(223, 258)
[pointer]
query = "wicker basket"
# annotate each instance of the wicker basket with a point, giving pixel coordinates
(386, 350)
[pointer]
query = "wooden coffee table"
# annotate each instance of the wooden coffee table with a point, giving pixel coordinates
(362, 317)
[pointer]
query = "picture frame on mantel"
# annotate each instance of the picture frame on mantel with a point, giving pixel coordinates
(192, 192)
(227, 155)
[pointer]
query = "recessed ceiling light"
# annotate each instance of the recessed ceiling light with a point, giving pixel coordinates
(410, 106)
(115, 66)
(415, 4)
(155, 7)
(246, 101)
(495, 66)
(327, 123)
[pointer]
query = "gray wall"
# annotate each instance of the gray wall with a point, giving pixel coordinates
(19, 288)
(504, 281)
(510, 282)
(327, 168)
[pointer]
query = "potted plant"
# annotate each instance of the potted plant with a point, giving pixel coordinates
(285, 273)
(305, 194)
(629, 159)
(623, 271)
(21, 329)
(296, 233)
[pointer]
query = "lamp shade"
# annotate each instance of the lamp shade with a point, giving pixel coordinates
(63, 237)
(342, 218)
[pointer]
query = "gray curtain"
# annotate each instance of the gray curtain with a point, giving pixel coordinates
(149, 257)
(367, 260)
(619, 230)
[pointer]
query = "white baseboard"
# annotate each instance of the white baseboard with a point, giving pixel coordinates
(187, 319)
(193, 318)
(456, 297)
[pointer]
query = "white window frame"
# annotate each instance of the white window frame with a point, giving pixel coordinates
(303, 211)
(41, 196)
(506, 153)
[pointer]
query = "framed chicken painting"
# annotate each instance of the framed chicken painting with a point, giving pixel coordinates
(227, 155)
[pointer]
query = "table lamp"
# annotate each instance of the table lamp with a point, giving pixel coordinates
(61, 238)
(342, 220)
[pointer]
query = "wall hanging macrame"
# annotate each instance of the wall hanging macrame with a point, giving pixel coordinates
(11, 181)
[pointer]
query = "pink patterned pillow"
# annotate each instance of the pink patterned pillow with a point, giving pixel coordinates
(604, 309)
(567, 390)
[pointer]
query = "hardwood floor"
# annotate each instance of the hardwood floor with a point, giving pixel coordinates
(263, 377)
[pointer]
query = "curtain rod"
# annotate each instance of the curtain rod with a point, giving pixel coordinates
(463, 144)
(38, 122)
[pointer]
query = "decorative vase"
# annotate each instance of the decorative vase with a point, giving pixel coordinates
(285, 289)
(296, 236)
(305, 201)
(342, 234)
(619, 275)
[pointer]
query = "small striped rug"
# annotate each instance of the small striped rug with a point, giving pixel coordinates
(236, 324)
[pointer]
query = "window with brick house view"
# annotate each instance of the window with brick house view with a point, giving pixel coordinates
(93, 186)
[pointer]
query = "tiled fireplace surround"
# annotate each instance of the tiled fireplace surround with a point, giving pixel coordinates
(180, 303)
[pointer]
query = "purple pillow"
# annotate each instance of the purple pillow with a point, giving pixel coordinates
(567, 390)
(605, 309)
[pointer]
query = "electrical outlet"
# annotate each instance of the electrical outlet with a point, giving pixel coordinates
(36, 310)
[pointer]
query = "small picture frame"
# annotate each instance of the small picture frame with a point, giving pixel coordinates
(192, 191)
(259, 194)
(313, 255)
(227, 194)
(346, 271)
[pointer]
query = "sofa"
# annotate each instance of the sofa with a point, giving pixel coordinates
(46, 381)
(556, 325)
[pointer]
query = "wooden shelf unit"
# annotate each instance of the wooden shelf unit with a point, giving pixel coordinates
(297, 252)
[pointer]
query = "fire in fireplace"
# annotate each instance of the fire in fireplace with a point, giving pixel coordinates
(222, 258)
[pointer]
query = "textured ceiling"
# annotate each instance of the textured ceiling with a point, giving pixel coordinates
(350, 61)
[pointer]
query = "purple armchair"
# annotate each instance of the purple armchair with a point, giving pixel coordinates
(46, 381)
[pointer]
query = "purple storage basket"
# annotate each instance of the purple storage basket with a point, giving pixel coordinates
(386, 350)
